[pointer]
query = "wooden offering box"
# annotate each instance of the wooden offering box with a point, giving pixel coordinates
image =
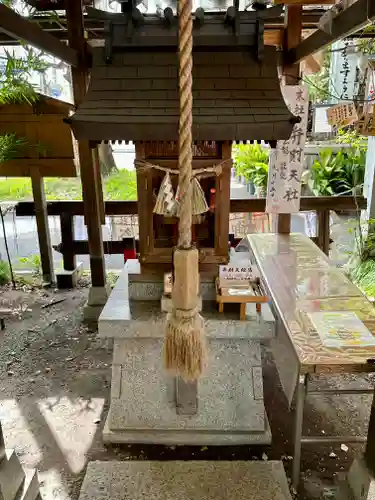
(240, 292)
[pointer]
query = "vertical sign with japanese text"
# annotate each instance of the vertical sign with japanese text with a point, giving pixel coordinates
(286, 161)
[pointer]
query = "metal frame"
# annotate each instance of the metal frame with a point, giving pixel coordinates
(302, 392)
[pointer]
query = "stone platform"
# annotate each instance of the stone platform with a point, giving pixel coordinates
(196, 480)
(143, 396)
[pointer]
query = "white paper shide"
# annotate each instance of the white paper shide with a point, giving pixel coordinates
(286, 161)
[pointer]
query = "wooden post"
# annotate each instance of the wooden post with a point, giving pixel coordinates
(91, 202)
(293, 34)
(145, 209)
(222, 202)
(99, 184)
(323, 230)
(44, 238)
(67, 238)
(186, 397)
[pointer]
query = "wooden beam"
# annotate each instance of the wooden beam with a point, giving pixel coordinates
(352, 19)
(44, 238)
(274, 37)
(308, 203)
(18, 27)
(312, 64)
(46, 167)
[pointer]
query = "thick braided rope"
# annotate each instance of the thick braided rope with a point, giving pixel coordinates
(186, 121)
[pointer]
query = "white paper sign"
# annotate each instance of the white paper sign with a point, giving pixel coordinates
(239, 271)
(286, 161)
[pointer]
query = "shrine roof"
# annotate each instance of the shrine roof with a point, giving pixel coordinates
(135, 97)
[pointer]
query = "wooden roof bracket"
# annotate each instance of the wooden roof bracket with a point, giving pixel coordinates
(261, 15)
(347, 22)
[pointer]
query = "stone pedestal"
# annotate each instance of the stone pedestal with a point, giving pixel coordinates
(143, 398)
(66, 279)
(98, 297)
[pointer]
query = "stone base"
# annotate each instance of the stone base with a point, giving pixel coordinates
(196, 480)
(181, 438)
(96, 301)
(361, 481)
(68, 279)
(230, 395)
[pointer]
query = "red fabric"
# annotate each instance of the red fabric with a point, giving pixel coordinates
(129, 254)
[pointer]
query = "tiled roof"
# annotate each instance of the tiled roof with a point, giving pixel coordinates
(235, 97)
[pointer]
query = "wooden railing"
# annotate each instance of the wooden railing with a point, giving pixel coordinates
(67, 210)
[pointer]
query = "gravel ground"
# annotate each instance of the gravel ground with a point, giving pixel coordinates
(55, 385)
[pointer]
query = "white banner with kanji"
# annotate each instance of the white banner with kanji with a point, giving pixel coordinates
(286, 161)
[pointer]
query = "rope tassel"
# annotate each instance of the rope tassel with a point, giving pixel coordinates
(184, 347)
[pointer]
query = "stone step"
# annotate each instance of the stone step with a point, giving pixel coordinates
(12, 476)
(195, 480)
(30, 488)
(230, 393)
(187, 438)
(144, 319)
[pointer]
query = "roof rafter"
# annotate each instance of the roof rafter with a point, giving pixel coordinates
(18, 27)
(352, 19)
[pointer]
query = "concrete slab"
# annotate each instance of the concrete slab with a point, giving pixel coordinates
(194, 480)
(226, 391)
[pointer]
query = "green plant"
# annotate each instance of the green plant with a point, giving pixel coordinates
(324, 173)
(353, 172)
(318, 83)
(361, 266)
(14, 79)
(353, 138)
(32, 262)
(340, 173)
(251, 161)
(10, 146)
(4, 273)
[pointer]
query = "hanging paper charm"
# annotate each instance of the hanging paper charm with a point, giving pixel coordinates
(165, 202)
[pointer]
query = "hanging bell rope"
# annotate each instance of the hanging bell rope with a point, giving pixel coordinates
(184, 347)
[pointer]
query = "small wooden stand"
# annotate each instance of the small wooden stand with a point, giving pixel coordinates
(247, 292)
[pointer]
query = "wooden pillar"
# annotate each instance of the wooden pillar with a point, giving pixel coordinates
(293, 35)
(323, 230)
(67, 238)
(99, 184)
(222, 202)
(90, 191)
(145, 208)
(44, 238)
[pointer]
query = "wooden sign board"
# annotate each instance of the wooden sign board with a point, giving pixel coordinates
(342, 115)
(239, 271)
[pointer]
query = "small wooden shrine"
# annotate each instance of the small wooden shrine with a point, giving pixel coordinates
(133, 96)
